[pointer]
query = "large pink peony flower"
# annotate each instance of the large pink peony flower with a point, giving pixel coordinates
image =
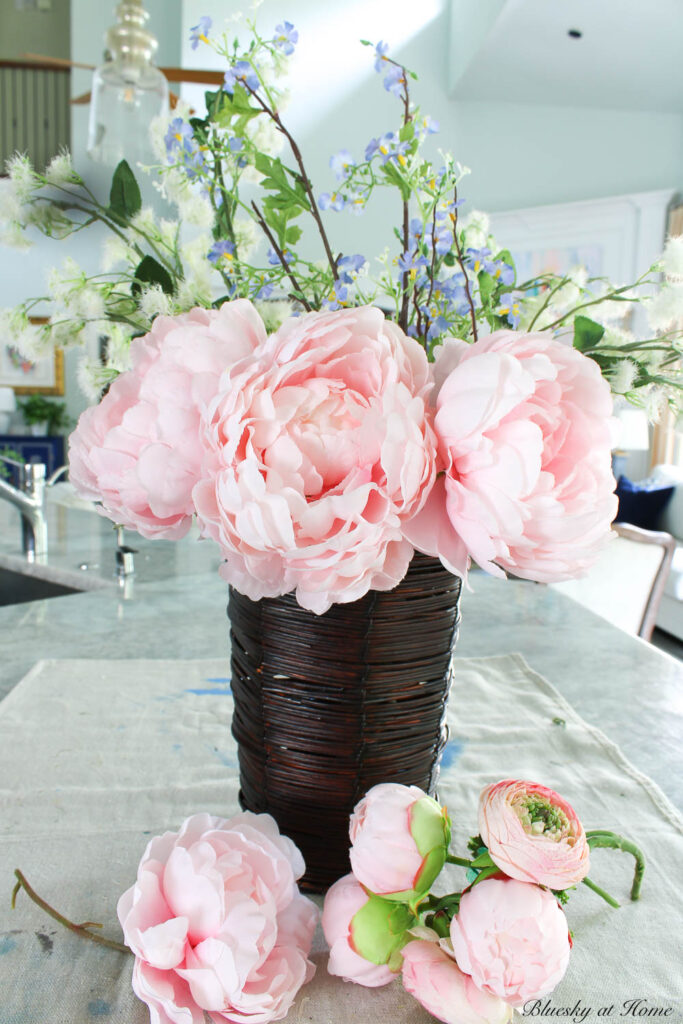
(319, 451)
(342, 902)
(139, 451)
(217, 923)
(399, 840)
(512, 938)
(436, 981)
(533, 834)
(523, 423)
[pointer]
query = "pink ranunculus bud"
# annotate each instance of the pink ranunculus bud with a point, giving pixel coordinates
(436, 981)
(523, 422)
(533, 834)
(512, 938)
(359, 927)
(319, 449)
(139, 451)
(399, 838)
(217, 923)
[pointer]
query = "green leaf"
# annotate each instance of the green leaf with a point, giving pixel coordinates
(487, 286)
(366, 42)
(124, 198)
(407, 132)
(393, 176)
(587, 333)
(292, 234)
(150, 271)
(378, 928)
(483, 860)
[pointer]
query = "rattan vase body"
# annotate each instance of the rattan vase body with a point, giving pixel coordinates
(327, 706)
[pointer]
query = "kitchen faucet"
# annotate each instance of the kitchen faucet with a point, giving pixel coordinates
(29, 498)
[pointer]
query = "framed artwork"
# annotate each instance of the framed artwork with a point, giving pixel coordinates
(44, 377)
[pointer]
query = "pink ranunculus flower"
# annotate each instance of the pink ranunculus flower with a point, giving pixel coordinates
(523, 423)
(436, 981)
(319, 449)
(512, 938)
(342, 902)
(217, 923)
(533, 834)
(139, 450)
(399, 840)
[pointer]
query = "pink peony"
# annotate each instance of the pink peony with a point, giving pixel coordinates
(342, 902)
(217, 923)
(533, 834)
(436, 981)
(139, 450)
(399, 838)
(319, 451)
(523, 423)
(512, 938)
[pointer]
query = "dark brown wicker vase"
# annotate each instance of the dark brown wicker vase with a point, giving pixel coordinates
(327, 706)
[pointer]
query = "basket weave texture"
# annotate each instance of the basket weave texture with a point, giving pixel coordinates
(327, 706)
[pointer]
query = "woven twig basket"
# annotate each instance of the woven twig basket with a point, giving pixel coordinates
(327, 706)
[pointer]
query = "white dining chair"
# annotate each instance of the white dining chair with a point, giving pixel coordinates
(626, 584)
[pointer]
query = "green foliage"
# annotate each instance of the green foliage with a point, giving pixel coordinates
(587, 333)
(124, 199)
(38, 409)
(150, 271)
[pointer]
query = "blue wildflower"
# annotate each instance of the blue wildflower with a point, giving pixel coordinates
(200, 31)
(179, 132)
(286, 38)
(337, 297)
(389, 148)
(371, 148)
(414, 266)
(332, 201)
(341, 163)
(510, 308)
(480, 259)
(503, 272)
(380, 59)
(223, 250)
(395, 80)
(264, 292)
(243, 72)
(349, 266)
(439, 325)
(275, 260)
(235, 145)
(428, 126)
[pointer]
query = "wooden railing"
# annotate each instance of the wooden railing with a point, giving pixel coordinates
(34, 110)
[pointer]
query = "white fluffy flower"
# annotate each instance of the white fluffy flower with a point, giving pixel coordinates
(118, 347)
(145, 222)
(672, 257)
(60, 170)
(93, 377)
(477, 228)
(22, 175)
(168, 232)
(265, 136)
(12, 234)
(116, 251)
(665, 309)
(195, 209)
(622, 376)
(247, 237)
(62, 281)
(155, 302)
(274, 312)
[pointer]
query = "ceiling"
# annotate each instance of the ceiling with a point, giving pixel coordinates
(630, 55)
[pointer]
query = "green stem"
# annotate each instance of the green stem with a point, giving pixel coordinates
(79, 929)
(603, 838)
(601, 892)
(462, 861)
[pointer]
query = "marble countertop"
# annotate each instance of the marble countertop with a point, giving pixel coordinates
(175, 607)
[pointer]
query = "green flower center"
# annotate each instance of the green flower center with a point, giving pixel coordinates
(540, 818)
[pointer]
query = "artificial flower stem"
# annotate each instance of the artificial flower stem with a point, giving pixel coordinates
(299, 294)
(611, 840)
(462, 861)
(80, 929)
(461, 262)
(601, 892)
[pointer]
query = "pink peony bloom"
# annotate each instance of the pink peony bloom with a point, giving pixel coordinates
(523, 423)
(399, 838)
(342, 902)
(319, 450)
(436, 981)
(217, 923)
(139, 450)
(533, 834)
(512, 938)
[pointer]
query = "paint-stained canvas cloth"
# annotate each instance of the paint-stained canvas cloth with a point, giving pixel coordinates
(97, 756)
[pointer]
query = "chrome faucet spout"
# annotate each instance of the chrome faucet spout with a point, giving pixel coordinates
(29, 498)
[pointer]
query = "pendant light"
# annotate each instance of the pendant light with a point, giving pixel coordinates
(127, 92)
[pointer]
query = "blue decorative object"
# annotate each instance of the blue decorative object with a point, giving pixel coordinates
(643, 502)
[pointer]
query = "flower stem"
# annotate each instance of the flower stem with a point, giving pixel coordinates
(80, 929)
(601, 892)
(603, 838)
(462, 861)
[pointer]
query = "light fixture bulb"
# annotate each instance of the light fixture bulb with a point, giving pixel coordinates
(128, 92)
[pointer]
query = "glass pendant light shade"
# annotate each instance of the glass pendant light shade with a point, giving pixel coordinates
(127, 92)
